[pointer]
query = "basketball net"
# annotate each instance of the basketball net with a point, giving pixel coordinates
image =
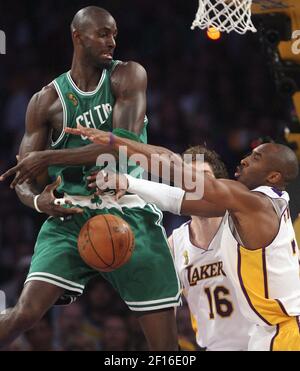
(225, 15)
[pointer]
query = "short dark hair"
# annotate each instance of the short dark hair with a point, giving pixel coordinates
(212, 158)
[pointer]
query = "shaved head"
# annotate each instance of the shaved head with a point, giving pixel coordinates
(283, 160)
(86, 16)
(94, 33)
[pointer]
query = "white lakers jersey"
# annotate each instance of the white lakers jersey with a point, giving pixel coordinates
(266, 281)
(217, 320)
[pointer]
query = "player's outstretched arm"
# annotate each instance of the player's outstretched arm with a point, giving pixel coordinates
(153, 159)
(220, 194)
(167, 198)
(215, 197)
(111, 141)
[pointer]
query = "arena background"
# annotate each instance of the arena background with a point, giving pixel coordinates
(218, 92)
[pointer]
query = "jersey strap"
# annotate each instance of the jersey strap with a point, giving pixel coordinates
(273, 192)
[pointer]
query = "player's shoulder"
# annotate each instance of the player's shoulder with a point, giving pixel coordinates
(128, 66)
(47, 94)
(130, 70)
(44, 99)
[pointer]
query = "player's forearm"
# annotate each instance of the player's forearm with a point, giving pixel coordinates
(165, 197)
(136, 147)
(26, 193)
(184, 175)
(174, 199)
(160, 161)
(77, 156)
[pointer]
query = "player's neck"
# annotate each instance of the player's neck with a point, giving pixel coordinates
(85, 76)
(203, 230)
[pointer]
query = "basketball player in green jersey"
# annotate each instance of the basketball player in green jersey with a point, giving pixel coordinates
(101, 93)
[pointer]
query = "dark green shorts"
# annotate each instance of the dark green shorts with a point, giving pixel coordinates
(147, 282)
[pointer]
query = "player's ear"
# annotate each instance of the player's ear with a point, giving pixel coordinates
(275, 178)
(76, 37)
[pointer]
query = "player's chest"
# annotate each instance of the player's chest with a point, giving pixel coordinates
(91, 112)
(201, 268)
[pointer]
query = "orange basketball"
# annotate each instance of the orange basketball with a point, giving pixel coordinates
(106, 242)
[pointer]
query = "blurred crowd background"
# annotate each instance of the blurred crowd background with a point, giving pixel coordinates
(219, 93)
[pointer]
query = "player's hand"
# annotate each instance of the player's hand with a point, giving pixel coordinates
(92, 180)
(107, 180)
(94, 135)
(52, 206)
(27, 169)
(93, 185)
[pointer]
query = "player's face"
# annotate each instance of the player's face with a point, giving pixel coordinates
(254, 169)
(99, 41)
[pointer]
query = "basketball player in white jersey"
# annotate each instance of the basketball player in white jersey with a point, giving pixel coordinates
(258, 244)
(195, 247)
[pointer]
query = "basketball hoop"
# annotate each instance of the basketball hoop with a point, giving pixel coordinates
(225, 15)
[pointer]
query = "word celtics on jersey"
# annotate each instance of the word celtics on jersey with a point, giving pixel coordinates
(90, 109)
(88, 118)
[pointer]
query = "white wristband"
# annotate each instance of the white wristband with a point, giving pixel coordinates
(165, 197)
(36, 205)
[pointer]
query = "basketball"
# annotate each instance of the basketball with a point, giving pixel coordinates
(106, 243)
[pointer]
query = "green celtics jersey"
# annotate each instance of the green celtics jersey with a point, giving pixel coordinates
(91, 109)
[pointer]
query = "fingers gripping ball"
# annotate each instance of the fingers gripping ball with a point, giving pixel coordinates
(106, 243)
